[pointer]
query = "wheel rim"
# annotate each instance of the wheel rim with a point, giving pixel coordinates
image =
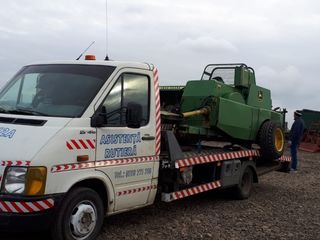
(83, 220)
(279, 140)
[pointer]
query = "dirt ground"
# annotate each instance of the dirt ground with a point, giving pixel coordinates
(282, 206)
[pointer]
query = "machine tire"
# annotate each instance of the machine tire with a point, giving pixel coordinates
(244, 188)
(80, 216)
(271, 141)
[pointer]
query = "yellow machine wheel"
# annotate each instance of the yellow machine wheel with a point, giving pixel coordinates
(271, 140)
(279, 139)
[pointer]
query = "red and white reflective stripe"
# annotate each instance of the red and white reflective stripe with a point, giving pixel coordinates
(158, 115)
(15, 163)
(192, 191)
(81, 144)
(285, 158)
(215, 157)
(72, 166)
(26, 207)
(102, 163)
(136, 190)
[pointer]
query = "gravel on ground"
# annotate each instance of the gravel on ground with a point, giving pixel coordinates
(282, 206)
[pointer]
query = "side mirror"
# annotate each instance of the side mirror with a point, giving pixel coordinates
(134, 115)
(99, 118)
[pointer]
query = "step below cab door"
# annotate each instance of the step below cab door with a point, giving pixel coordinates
(126, 141)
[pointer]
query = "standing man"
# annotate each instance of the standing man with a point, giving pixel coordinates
(296, 133)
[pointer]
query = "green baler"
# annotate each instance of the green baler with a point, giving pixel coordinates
(226, 103)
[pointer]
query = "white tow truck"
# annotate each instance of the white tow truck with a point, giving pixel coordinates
(81, 140)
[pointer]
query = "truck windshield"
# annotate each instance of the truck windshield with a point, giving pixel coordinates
(57, 90)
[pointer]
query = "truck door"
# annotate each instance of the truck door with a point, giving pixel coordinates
(126, 154)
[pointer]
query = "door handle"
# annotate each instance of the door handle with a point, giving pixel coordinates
(147, 137)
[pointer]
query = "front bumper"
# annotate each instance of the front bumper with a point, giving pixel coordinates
(28, 213)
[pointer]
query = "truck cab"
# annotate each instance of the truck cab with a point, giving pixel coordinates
(77, 125)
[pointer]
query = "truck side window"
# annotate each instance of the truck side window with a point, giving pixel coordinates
(129, 87)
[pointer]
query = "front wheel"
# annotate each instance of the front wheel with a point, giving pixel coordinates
(80, 216)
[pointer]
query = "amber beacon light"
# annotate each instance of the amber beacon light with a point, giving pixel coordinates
(90, 57)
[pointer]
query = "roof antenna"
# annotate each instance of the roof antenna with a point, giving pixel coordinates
(107, 57)
(85, 50)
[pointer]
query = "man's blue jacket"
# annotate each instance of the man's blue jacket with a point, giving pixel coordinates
(296, 131)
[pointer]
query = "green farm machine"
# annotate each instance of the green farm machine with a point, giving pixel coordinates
(225, 105)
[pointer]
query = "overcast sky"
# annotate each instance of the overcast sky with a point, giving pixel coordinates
(278, 38)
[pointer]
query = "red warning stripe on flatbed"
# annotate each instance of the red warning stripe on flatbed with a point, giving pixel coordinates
(169, 197)
(216, 157)
(285, 159)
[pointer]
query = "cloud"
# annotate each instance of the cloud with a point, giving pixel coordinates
(290, 88)
(278, 38)
(207, 45)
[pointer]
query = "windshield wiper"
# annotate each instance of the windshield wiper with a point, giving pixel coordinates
(4, 109)
(26, 111)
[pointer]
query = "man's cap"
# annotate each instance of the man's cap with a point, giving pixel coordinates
(298, 113)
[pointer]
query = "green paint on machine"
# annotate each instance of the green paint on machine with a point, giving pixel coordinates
(227, 103)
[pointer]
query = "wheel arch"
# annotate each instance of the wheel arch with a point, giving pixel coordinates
(252, 166)
(98, 186)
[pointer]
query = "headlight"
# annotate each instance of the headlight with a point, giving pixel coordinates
(27, 181)
(14, 181)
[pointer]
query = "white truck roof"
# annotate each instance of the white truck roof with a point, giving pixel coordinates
(119, 64)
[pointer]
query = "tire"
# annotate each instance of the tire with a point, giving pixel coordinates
(80, 216)
(271, 141)
(244, 188)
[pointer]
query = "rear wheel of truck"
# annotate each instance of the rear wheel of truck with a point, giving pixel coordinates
(80, 216)
(245, 185)
(271, 141)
